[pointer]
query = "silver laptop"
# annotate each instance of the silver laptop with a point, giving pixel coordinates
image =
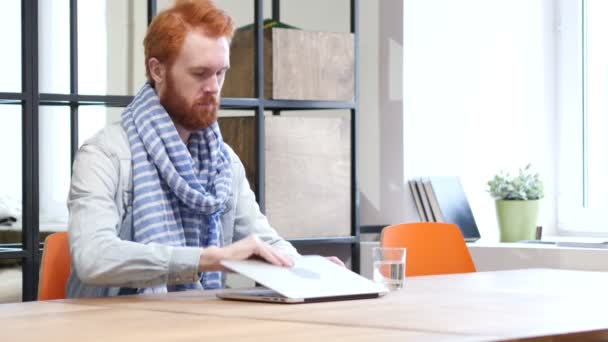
(313, 278)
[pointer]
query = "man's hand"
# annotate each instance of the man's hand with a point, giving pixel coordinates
(243, 249)
(335, 260)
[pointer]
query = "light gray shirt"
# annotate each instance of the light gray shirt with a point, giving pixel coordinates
(104, 255)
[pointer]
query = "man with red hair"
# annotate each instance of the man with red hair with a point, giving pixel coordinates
(157, 200)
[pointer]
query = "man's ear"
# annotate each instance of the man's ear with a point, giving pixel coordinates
(157, 70)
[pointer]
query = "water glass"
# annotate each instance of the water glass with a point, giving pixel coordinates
(389, 267)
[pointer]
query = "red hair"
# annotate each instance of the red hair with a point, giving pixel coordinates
(168, 30)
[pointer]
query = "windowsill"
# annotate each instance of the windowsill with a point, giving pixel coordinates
(495, 256)
(576, 242)
(530, 246)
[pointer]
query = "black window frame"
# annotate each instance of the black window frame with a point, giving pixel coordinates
(30, 99)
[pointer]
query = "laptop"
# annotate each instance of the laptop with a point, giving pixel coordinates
(313, 278)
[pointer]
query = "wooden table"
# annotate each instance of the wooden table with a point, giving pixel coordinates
(540, 304)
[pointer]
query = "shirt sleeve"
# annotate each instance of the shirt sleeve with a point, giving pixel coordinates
(99, 256)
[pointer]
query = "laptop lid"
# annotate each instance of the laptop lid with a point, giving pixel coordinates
(312, 276)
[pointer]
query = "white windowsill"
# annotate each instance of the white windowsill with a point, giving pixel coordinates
(494, 256)
(506, 256)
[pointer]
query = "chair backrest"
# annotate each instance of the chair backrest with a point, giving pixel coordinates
(432, 248)
(54, 267)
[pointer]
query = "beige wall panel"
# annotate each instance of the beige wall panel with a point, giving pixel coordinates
(312, 65)
(298, 65)
(308, 176)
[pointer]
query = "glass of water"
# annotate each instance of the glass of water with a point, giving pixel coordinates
(389, 266)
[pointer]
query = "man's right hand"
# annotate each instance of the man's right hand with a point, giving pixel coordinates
(243, 249)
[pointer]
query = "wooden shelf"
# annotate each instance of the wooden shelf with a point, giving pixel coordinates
(252, 103)
(307, 105)
(226, 103)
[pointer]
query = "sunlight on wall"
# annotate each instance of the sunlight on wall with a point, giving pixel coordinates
(479, 94)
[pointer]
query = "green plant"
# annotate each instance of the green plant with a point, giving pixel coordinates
(525, 186)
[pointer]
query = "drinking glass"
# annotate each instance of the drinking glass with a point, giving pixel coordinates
(389, 267)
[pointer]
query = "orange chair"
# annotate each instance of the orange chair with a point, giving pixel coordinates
(54, 267)
(432, 248)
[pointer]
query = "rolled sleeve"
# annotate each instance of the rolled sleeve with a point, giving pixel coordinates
(183, 265)
(99, 256)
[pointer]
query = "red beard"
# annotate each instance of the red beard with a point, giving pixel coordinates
(193, 117)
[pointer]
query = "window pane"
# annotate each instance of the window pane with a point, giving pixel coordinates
(597, 102)
(110, 50)
(10, 173)
(54, 46)
(10, 58)
(54, 163)
(335, 16)
(93, 118)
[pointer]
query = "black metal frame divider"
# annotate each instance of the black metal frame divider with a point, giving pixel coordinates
(278, 105)
(30, 99)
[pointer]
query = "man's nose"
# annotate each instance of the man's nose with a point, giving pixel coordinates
(211, 85)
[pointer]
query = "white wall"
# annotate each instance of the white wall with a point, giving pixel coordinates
(479, 95)
(385, 197)
(455, 88)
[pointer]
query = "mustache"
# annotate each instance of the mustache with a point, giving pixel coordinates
(207, 100)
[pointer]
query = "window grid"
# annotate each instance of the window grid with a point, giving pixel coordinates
(29, 250)
(31, 100)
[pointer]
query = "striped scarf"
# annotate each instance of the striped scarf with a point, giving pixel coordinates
(179, 192)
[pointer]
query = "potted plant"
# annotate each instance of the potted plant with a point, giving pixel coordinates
(517, 203)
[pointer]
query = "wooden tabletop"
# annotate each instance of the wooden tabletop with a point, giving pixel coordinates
(539, 304)
(114, 324)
